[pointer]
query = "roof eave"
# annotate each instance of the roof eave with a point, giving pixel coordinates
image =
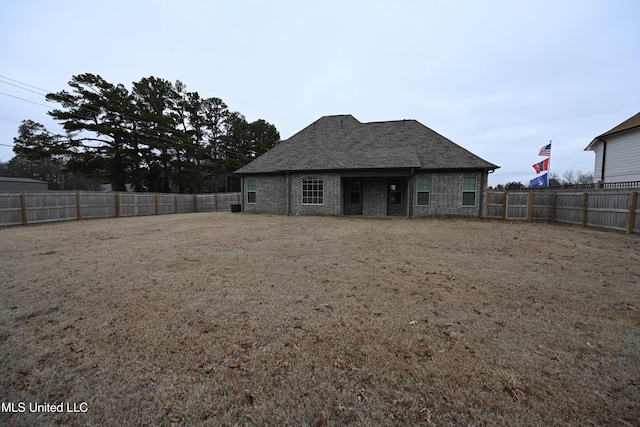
(466, 168)
(592, 144)
(631, 129)
(491, 168)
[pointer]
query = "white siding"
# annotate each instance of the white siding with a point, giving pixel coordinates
(597, 172)
(622, 158)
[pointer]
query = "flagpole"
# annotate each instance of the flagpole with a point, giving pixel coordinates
(549, 167)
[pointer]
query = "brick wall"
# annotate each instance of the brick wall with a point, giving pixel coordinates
(271, 194)
(445, 197)
(374, 196)
(332, 203)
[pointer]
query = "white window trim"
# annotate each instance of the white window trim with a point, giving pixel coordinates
(475, 192)
(418, 191)
(255, 192)
(318, 193)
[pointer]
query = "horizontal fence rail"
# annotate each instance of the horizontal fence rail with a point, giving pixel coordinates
(615, 210)
(596, 185)
(33, 208)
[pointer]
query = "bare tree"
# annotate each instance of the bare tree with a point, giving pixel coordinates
(585, 177)
(569, 177)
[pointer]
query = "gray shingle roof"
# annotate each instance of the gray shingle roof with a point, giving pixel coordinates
(343, 143)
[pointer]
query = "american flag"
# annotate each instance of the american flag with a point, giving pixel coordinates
(545, 151)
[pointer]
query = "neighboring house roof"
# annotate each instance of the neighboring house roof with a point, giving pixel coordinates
(343, 143)
(24, 180)
(631, 123)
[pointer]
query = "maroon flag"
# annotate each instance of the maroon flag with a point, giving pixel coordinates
(542, 166)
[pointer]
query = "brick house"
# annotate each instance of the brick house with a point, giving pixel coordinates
(340, 166)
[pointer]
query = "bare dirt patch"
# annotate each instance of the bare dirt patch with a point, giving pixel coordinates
(240, 319)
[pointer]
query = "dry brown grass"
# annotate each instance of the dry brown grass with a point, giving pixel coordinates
(239, 319)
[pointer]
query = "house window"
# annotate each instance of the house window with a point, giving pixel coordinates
(469, 191)
(251, 191)
(312, 191)
(354, 192)
(395, 192)
(424, 188)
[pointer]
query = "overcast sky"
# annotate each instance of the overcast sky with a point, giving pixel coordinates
(500, 78)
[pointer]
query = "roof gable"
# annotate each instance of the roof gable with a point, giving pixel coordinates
(629, 124)
(343, 143)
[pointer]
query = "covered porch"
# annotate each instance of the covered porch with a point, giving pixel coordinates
(377, 193)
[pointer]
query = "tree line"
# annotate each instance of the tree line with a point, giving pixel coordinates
(569, 177)
(157, 136)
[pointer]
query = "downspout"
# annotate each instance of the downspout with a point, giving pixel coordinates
(411, 187)
(483, 174)
(604, 158)
(288, 184)
(242, 193)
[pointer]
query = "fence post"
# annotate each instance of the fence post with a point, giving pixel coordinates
(215, 202)
(632, 211)
(530, 207)
(79, 206)
(155, 204)
(195, 203)
(505, 205)
(584, 209)
(23, 203)
(117, 200)
(554, 197)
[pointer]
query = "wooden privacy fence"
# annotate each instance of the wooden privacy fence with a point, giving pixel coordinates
(31, 208)
(617, 210)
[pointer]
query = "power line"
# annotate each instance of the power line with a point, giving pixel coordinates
(10, 120)
(24, 84)
(88, 108)
(23, 99)
(20, 87)
(176, 140)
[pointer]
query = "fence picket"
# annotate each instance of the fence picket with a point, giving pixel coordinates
(632, 211)
(31, 208)
(23, 202)
(616, 210)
